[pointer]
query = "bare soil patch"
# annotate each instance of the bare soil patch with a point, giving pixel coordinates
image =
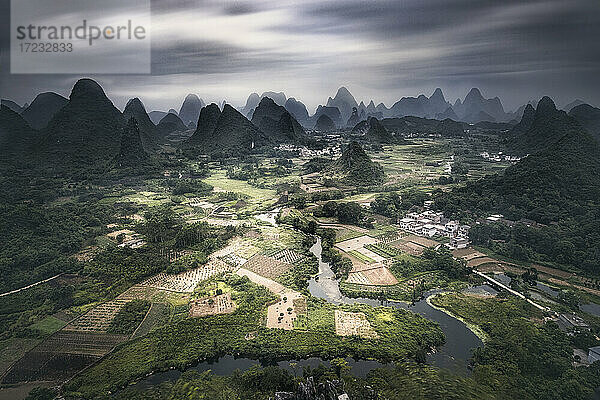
(353, 324)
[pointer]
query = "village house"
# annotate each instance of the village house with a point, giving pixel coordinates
(571, 323)
(430, 223)
(594, 354)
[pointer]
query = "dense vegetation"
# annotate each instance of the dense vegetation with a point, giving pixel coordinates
(522, 359)
(558, 187)
(129, 317)
(356, 167)
(402, 334)
(36, 239)
(404, 381)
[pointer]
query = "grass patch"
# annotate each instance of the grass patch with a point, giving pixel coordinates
(48, 325)
(361, 257)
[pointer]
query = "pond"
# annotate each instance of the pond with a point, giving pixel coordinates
(228, 364)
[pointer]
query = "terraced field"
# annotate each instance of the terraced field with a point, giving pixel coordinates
(267, 266)
(187, 281)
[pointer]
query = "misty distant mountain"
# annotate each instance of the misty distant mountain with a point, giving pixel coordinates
(356, 117)
(169, 124)
(156, 116)
(332, 112)
(448, 113)
(324, 124)
(278, 97)
(475, 108)
(251, 104)
(86, 130)
(43, 108)
(225, 133)
(421, 106)
(190, 110)
(374, 131)
(277, 122)
(537, 131)
(148, 132)
(344, 102)
(11, 105)
(298, 111)
(573, 104)
(588, 117)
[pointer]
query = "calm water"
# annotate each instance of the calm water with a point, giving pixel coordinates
(591, 308)
(459, 339)
(228, 364)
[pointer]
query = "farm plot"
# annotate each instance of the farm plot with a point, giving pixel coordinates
(267, 266)
(467, 254)
(358, 278)
(384, 250)
(370, 254)
(61, 356)
(98, 319)
(355, 244)
(475, 262)
(421, 241)
(158, 315)
(213, 305)
(270, 284)
(353, 324)
(408, 247)
(377, 275)
(380, 276)
(390, 237)
(187, 281)
(287, 256)
(283, 314)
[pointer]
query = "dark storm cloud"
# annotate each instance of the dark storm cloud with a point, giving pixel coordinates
(515, 49)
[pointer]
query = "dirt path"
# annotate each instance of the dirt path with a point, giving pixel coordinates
(30, 286)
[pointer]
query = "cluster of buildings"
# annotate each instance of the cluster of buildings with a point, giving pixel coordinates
(430, 223)
(304, 151)
(499, 157)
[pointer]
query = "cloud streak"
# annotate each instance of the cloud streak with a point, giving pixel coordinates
(381, 50)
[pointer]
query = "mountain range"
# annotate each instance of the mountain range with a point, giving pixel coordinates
(87, 128)
(540, 128)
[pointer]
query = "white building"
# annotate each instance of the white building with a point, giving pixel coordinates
(594, 354)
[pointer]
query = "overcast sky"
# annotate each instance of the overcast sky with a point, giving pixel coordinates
(381, 50)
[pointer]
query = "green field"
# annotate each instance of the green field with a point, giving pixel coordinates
(219, 180)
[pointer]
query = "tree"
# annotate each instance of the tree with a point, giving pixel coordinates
(570, 298)
(340, 366)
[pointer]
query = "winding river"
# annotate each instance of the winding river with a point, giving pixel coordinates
(460, 340)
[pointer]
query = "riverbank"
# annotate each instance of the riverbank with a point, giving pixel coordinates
(472, 327)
